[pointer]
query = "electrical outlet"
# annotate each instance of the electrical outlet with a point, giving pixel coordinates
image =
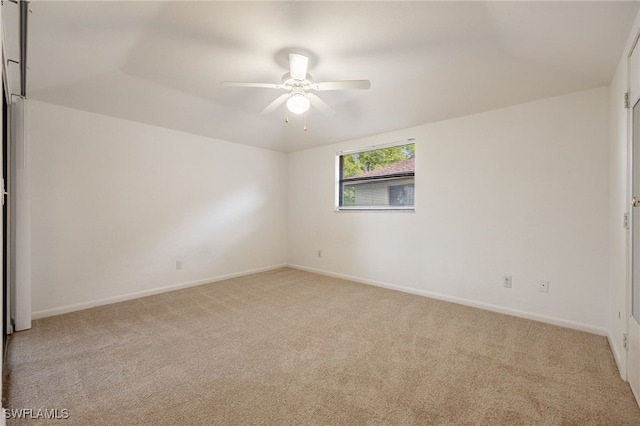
(178, 264)
(506, 281)
(544, 287)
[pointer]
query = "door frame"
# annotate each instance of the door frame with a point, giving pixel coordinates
(631, 340)
(5, 159)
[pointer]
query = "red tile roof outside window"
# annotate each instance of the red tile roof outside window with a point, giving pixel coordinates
(401, 167)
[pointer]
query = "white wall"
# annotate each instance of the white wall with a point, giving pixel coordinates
(20, 203)
(115, 203)
(520, 191)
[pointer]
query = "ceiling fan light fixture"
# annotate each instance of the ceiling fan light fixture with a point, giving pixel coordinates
(298, 103)
(299, 88)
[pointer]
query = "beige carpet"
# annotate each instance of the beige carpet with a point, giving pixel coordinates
(290, 347)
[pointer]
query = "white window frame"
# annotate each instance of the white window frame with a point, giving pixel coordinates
(389, 208)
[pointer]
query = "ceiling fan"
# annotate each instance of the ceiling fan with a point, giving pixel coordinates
(299, 87)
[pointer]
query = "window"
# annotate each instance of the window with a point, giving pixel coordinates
(377, 178)
(401, 195)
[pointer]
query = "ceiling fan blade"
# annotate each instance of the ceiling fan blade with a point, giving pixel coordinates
(275, 104)
(298, 66)
(320, 105)
(343, 85)
(245, 84)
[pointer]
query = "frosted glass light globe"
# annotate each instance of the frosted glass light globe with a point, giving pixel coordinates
(298, 103)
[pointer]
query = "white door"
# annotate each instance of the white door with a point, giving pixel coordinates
(633, 358)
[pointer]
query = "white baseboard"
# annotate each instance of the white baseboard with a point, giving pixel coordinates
(138, 294)
(467, 302)
(618, 357)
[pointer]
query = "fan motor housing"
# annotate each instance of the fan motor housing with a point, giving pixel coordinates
(290, 83)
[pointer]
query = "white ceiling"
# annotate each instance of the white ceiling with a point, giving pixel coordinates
(161, 63)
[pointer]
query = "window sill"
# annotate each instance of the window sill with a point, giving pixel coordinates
(376, 209)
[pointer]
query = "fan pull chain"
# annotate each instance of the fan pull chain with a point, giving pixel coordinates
(286, 117)
(305, 123)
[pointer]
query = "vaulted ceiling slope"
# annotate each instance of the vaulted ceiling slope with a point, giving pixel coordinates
(162, 63)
